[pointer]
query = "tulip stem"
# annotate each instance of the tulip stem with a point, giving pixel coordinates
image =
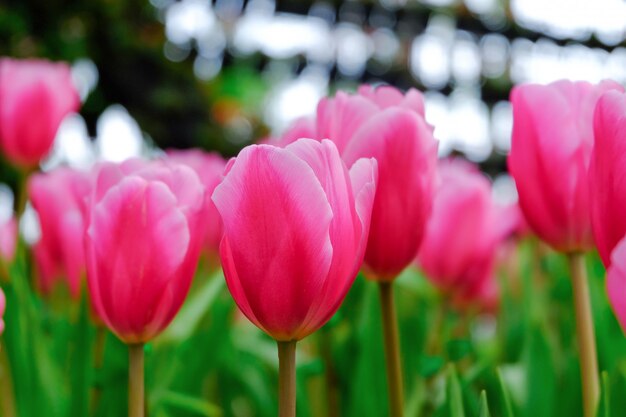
(585, 334)
(135, 380)
(392, 349)
(287, 379)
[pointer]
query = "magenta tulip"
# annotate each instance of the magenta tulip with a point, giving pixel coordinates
(303, 127)
(607, 170)
(142, 244)
(210, 169)
(295, 227)
(35, 96)
(550, 153)
(406, 153)
(340, 117)
(616, 282)
(463, 234)
(386, 96)
(59, 199)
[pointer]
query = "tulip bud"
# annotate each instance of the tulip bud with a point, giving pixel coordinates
(35, 96)
(58, 197)
(550, 153)
(210, 169)
(145, 230)
(295, 228)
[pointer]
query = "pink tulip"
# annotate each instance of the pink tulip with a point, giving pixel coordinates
(616, 282)
(2, 309)
(402, 143)
(459, 250)
(386, 96)
(295, 228)
(59, 199)
(340, 117)
(210, 169)
(304, 127)
(142, 244)
(8, 239)
(549, 159)
(35, 96)
(607, 170)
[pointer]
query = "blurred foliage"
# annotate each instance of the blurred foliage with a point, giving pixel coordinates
(125, 38)
(522, 362)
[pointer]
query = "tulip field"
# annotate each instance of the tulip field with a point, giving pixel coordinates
(338, 268)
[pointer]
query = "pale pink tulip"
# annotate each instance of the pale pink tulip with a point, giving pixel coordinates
(459, 250)
(35, 96)
(210, 170)
(608, 172)
(616, 282)
(58, 197)
(549, 159)
(295, 229)
(406, 152)
(144, 236)
(303, 127)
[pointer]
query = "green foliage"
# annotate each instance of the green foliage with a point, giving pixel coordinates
(212, 362)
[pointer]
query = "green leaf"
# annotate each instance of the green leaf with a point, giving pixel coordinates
(604, 408)
(430, 365)
(80, 364)
(458, 349)
(192, 312)
(541, 375)
(454, 396)
(507, 409)
(484, 406)
(191, 404)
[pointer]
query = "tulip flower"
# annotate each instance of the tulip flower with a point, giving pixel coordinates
(553, 134)
(295, 229)
(383, 123)
(209, 167)
(303, 127)
(35, 96)
(616, 282)
(58, 197)
(144, 235)
(463, 234)
(608, 190)
(386, 96)
(550, 155)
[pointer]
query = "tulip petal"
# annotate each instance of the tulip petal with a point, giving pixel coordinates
(130, 212)
(608, 177)
(616, 282)
(340, 117)
(405, 151)
(276, 219)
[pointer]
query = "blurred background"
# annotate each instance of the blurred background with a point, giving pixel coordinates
(221, 74)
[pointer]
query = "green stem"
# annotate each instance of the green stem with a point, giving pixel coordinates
(585, 335)
(287, 379)
(135, 381)
(22, 192)
(392, 349)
